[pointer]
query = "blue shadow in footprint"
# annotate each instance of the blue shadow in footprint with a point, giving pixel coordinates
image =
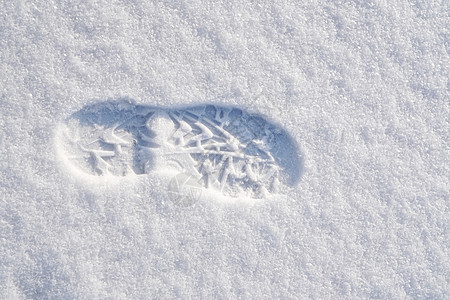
(222, 146)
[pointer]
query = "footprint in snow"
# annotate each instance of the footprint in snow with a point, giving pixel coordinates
(218, 148)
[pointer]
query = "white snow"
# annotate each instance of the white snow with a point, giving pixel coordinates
(361, 86)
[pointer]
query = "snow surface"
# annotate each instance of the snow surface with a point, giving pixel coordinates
(361, 86)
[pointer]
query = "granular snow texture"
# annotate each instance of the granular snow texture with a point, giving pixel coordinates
(362, 87)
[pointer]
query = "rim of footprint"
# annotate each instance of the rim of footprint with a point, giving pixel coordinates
(215, 148)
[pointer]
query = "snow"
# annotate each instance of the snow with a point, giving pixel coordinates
(361, 86)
